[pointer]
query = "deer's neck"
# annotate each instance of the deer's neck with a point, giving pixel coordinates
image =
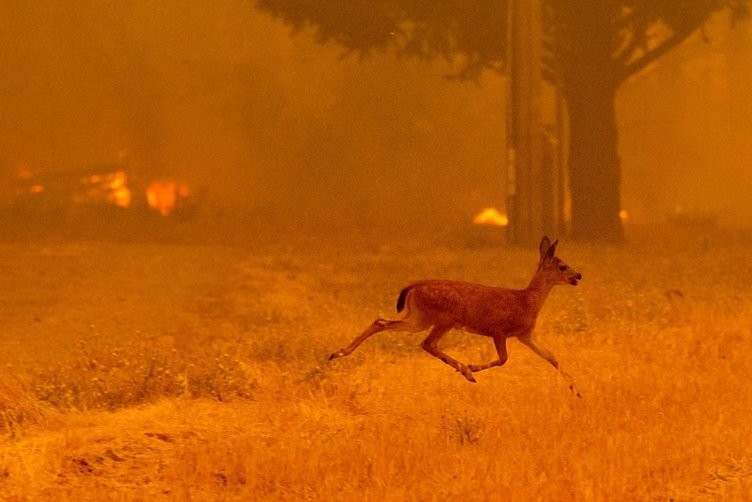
(537, 292)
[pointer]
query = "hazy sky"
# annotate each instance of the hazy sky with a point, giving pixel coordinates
(223, 97)
(686, 128)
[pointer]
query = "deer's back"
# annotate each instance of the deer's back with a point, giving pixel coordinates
(478, 308)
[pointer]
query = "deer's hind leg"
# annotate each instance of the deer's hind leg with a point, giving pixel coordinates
(429, 345)
(500, 342)
(411, 323)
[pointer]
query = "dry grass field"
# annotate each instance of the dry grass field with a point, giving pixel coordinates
(198, 371)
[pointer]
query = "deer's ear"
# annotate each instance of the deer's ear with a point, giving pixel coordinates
(543, 247)
(552, 249)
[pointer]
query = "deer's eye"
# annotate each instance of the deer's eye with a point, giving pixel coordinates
(562, 267)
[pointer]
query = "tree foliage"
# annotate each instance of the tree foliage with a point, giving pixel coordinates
(473, 34)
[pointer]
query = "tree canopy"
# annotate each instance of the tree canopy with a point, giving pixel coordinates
(473, 34)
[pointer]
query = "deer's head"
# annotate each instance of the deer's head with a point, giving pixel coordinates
(555, 270)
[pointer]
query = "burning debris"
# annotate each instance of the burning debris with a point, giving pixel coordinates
(491, 216)
(489, 228)
(106, 188)
(102, 187)
(167, 196)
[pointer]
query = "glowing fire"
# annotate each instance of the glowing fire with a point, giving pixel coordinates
(164, 195)
(623, 215)
(491, 216)
(103, 187)
(112, 186)
(120, 194)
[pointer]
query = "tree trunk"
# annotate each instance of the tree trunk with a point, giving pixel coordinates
(525, 171)
(595, 168)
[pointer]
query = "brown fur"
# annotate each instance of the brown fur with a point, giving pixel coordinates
(498, 313)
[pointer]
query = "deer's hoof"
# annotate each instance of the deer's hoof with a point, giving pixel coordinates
(335, 355)
(575, 391)
(468, 374)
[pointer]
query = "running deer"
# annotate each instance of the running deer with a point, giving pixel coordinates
(498, 313)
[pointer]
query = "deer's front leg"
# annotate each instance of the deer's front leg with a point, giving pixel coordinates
(548, 356)
(500, 342)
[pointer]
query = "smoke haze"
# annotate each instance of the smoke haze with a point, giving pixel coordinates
(223, 97)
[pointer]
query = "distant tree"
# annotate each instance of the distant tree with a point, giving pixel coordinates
(590, 48)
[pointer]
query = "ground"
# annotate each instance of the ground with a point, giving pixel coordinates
(197, 369)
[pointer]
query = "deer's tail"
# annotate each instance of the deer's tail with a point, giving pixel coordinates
(402, 297)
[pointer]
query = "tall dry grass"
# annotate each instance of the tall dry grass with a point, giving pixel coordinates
(656, 336)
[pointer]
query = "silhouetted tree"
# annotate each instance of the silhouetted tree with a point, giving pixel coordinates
(590, 48)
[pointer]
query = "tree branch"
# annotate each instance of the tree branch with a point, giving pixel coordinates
(654, 54)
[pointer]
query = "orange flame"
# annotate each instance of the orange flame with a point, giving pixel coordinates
(491, 216)
(163, 195)
(120, 194)
(113, 187)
